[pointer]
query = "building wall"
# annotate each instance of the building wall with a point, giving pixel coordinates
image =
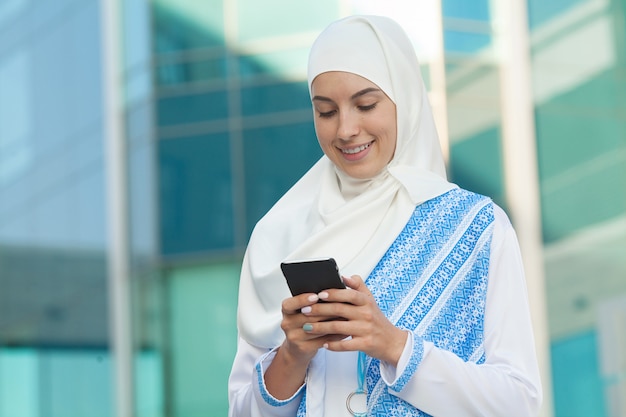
(53, 303)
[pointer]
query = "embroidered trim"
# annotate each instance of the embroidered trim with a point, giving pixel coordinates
(433, 281)
(411, 367)
(271, 400)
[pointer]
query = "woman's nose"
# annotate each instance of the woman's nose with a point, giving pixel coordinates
(348, 125)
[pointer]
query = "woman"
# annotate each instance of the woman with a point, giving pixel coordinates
(435, 319)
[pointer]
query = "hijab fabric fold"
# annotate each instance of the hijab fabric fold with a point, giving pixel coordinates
(329, 214)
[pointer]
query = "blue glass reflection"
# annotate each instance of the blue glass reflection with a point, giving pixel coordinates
(195, 194)
(540, 11)
(283, 96)
(476, 164)
(192, 108)
(463, 9)
(464, 42)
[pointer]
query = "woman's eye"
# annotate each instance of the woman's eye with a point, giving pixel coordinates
(368, 107)
(327, 114)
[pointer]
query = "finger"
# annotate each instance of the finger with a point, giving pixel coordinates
(327, 327)
(330, 311)
(294, 305)
(343, 345)
(354, 295)
(356, 283)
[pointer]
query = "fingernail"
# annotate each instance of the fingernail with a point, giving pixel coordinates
(313, 298)
(323, 295)
(325, 345)
(306, 310)
(307, 327)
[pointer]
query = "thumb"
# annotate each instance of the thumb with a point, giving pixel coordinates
(356, 283)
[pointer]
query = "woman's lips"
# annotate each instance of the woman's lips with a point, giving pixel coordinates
(356, 152)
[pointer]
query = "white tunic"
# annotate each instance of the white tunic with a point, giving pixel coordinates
(506, 384)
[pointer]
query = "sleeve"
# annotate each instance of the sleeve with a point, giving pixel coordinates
(508, 383)
(247, 393)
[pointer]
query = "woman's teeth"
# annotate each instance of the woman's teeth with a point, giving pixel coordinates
(357, 149)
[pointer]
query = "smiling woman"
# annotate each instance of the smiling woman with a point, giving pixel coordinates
(355, 123)
(435, 319)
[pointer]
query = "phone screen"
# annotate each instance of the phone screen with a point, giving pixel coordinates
(312, 276)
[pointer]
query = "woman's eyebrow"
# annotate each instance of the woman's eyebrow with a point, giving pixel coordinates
(321, 98)
(363, 92)
(355, 95)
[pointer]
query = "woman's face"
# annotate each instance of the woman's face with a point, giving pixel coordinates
(355, 123)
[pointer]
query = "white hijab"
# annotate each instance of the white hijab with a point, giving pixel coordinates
(328, 214)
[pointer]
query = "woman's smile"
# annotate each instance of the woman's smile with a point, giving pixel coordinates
(355, 153)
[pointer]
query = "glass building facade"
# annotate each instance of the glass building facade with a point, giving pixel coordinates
(215, 121)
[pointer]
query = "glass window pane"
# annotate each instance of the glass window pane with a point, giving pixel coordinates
(180, 25)
(463, 9)
(541, 11)
(465, 42)
(476, 164)
(290, 64)
(192, 70)
(273, 98)
(195, 194)
(283, 19)
(202, 304)
(192, 108)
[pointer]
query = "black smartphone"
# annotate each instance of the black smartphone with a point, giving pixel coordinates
(312, 275)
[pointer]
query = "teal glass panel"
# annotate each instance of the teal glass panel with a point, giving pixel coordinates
(271, 18)
(465, 42)
(581, 201)
(55, 383)
(203, 337)
(195, 194)
(76, 383)
(19, 381)
(180, 25)
(476, 165)
(250, 67)
(197, 70)
(576, 377)
(580, 124)
(149, 384)
(540, 11)
(463, 9)
(289, 63)
(275, 158)
(580, 154)
(192, 108)
(275, 98)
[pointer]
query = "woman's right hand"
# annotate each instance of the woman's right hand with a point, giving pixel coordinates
(299, 343)
(287, 371)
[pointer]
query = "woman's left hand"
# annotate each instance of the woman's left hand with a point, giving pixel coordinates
(371, 332)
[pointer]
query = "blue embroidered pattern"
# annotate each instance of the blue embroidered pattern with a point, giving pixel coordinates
(432, 281)
(266, 395)
(416, 357)
(302, 406)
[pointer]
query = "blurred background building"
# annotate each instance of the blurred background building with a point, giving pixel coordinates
(140, 141)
